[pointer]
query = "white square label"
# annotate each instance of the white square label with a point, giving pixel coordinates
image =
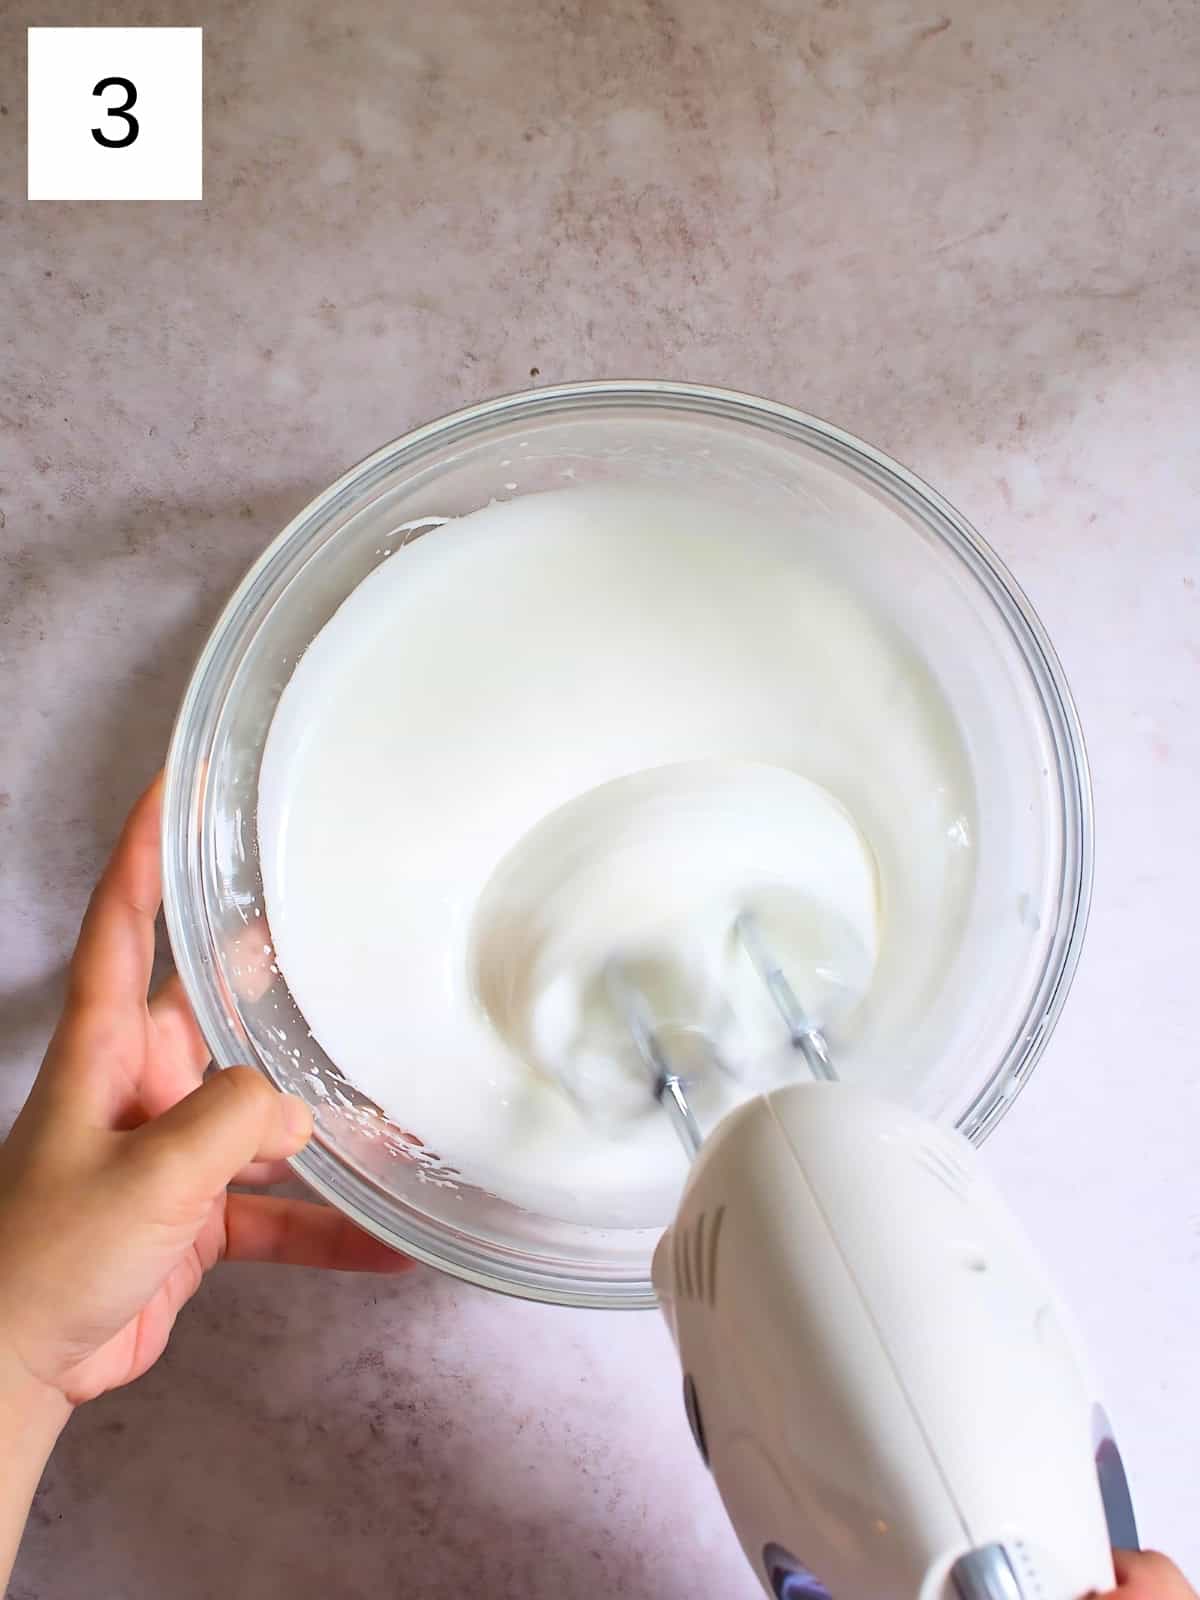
(115, 114)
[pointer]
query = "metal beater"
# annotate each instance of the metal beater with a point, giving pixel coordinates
(670, 1084)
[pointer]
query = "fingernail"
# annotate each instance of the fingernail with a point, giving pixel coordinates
(297, 1118)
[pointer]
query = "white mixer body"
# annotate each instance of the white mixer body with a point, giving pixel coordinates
(877, 1368)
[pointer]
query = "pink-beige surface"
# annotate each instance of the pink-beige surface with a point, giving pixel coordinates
(965, 232)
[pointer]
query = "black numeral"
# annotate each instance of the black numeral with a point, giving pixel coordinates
(122, 111)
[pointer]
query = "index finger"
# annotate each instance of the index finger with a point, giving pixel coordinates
(115, 951)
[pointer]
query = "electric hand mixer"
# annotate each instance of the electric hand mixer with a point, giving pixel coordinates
(877, 1371)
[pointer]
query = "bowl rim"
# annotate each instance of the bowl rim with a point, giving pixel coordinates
(186, 776)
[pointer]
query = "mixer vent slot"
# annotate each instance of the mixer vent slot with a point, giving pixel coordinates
(714, 1236)
(1026, 1569)
(944, 1165)
(682, 1256)
(695, 1257)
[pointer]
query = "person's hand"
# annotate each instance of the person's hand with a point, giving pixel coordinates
(113, 1198)
(1146, 1575)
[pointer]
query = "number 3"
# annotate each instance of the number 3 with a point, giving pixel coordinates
(122, 111)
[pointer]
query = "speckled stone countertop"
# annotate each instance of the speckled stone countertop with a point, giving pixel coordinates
(966, 232)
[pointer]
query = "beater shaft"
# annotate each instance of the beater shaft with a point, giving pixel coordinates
(810, 1041)
(670, 1088)
(670, 1085)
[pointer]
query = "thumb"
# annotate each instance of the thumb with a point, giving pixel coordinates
(197, 1147)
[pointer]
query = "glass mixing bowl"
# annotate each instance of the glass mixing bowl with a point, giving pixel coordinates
(896, 542)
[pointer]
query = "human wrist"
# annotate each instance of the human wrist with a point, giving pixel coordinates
(32, 1412)
(32, 1415)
